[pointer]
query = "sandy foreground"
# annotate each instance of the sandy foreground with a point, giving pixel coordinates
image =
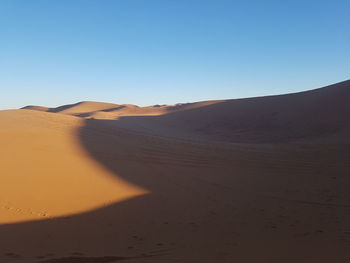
(262, 180)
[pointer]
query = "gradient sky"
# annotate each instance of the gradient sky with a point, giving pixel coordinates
(145, 52)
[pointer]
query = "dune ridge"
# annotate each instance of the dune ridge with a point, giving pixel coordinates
(305, 115)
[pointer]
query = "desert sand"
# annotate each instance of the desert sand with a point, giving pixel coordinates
(256, 180)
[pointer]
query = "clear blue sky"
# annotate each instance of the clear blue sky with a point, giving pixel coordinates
(145, 52)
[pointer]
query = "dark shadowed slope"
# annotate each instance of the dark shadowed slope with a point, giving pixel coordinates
(319, 113)
(202, 202)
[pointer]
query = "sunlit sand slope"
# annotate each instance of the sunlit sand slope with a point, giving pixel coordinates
(45, 172)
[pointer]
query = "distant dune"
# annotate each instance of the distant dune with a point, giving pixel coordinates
(246, 180)
(306, 115)
(102, 110)
(38, 108)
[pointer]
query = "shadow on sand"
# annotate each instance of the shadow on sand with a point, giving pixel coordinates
(175, 222)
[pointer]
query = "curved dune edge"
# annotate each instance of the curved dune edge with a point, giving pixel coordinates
(45, 173)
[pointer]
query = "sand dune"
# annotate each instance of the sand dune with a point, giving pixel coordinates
(313, 115)
(316, 114)
(102, 110)
(77, 108)
(249, 180)
(37, 108)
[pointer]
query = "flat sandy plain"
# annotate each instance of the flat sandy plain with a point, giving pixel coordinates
(257, 180)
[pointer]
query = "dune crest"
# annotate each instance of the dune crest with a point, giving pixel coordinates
(320, 114)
